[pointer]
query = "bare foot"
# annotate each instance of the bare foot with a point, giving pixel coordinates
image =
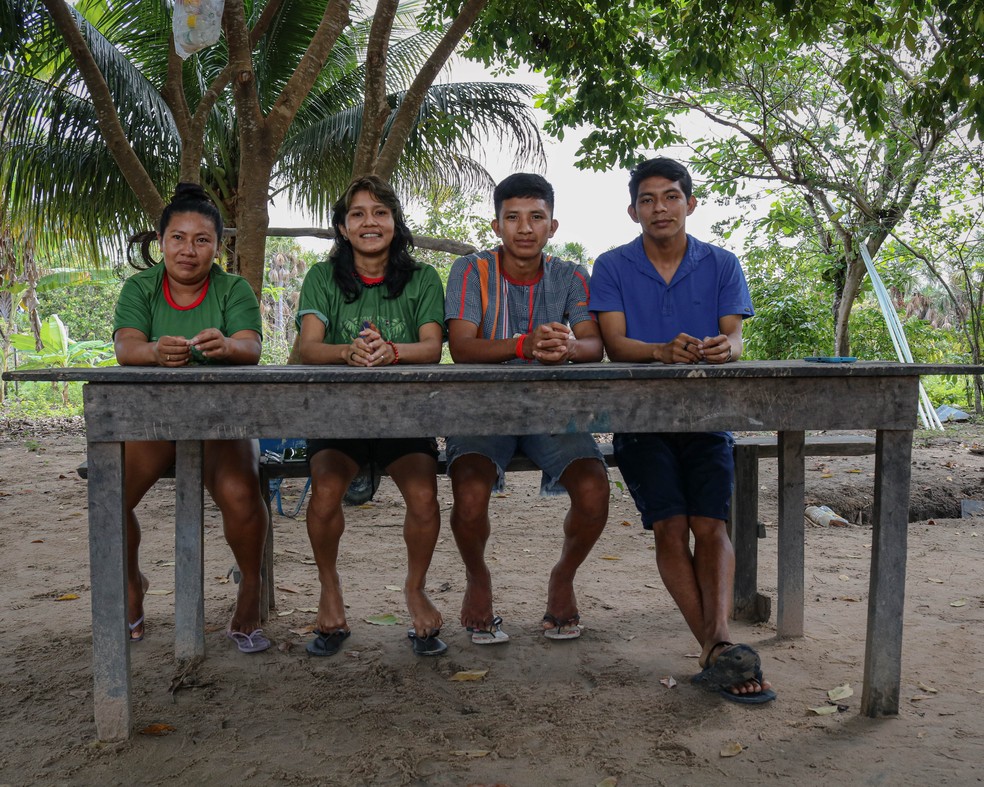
(710, 656)
(246, 616)
(426, 619)
(331, 607)
(136, 590)
(561, 601)
(476, 606)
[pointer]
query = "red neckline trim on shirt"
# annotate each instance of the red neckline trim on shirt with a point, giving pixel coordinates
(171, 302)
(519, 282)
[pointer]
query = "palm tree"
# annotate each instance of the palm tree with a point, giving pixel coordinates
(57, 167)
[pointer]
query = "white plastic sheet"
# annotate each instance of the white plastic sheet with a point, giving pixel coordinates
(196, 25)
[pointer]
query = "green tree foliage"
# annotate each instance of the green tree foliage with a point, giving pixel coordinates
(594, 52)
(294, 99)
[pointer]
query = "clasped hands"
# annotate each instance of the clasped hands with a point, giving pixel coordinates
(176, 351)
(688, 349)
(369, 348)
(552, 343)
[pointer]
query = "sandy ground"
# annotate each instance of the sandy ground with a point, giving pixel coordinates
(593, 711)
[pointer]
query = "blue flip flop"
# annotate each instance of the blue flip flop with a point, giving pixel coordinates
(327, 643)
(133, 627)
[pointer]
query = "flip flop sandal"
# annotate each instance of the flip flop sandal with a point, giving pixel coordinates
(254, 642)
(327, 643)
(427, 646)
(493, 635)
(562, 629)
(133, 627)
(735, 664)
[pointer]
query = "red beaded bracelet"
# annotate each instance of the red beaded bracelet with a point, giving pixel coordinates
(519, 346)
(396, 353)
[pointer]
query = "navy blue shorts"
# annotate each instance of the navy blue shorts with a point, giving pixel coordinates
(376, 455)
(687, 473)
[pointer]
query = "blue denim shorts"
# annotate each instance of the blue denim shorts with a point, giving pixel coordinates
(552, 453)
(674, 474)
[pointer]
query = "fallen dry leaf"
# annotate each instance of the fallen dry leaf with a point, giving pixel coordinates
(732, 749)
(920, 697)
(302, 631)
(308, 609)
(387, 619)
(393, 587)
(927, 689)
(608, 781)
(38, 541)
(824, 710)
(827, 475)
(285, 613)
(847, 598)
(160, 592)
(158, 728)
(934, 580)
(841, 692)
(960, 602)
(668, 681)
(610, 557)
(67, 597)
(473, 674)
(365, 506)
(626, 523)
(287, 589)
(843, 577)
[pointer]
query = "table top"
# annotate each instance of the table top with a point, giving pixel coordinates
(232, 402)
(484, 372)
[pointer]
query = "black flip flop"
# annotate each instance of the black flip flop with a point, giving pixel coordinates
(327, 643)
(735, 664)
(427, 646)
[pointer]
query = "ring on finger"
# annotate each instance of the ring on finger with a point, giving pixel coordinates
(686, 346)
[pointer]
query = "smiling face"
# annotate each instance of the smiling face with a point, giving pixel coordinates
(369, 226)
(524, 224)
(662, 209)
(189, 244)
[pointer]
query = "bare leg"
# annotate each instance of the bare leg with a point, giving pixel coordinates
(587, 484)
(472, 479)
(416, 477)
(331, 474)
(145, 463)
(232, 479)
(701, 582)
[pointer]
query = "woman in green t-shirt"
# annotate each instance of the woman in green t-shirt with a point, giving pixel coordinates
(181, 311)
(371, 304)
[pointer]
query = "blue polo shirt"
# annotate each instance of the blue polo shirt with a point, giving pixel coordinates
(708, 285)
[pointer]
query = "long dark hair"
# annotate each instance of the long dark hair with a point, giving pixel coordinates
(188, 198)
(399, 267)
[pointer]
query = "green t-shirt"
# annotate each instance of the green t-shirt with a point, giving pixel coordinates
(229, 305)
(398, 319)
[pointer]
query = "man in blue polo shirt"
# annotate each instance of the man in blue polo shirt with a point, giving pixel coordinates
(667, 297)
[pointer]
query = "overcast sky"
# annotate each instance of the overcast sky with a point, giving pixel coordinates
(590, 206)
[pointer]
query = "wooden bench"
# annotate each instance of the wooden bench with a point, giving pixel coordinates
(745, 529)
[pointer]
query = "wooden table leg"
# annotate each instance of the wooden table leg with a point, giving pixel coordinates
(886, 591)
(189, 561)
(749, 604)
(107, 571)
(789, 609)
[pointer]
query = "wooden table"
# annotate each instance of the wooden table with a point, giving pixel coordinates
(190, 405)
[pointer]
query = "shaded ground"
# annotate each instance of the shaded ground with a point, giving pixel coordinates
(545, 713)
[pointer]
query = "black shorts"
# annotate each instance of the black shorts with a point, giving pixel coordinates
(376, 455)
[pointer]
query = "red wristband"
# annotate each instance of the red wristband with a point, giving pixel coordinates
(519, 346)
(396, 353)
